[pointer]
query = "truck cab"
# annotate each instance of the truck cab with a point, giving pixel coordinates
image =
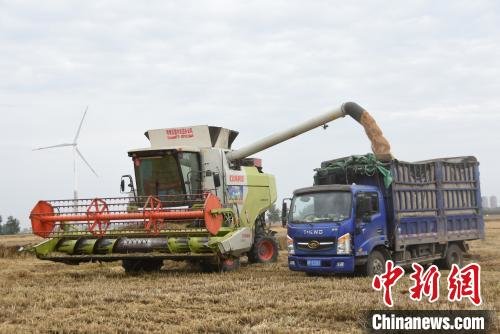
(329, 224)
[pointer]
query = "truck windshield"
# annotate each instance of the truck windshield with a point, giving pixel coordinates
(166, 175)
(321, 206)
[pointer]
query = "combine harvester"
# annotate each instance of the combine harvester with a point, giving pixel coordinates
(194, 199)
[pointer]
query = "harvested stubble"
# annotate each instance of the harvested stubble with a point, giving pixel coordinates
(44, 296)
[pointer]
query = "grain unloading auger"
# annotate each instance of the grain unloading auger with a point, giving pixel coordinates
(194, 199)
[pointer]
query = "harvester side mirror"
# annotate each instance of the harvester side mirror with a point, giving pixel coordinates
(216, 177)
(284, 211)
(130, 184)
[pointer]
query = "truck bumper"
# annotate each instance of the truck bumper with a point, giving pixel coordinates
(318, 264)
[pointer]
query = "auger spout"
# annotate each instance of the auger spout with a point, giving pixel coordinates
(380, 145)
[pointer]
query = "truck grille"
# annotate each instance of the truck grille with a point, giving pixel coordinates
(315, 245)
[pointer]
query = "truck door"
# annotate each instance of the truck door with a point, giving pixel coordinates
(370, 227)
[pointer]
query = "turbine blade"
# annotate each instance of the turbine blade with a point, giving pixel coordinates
(86, 162)
(52, 146)
(80, 126)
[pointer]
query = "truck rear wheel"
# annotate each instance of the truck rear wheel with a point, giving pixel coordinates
(375, 265)
(264, 250)
(454, 255)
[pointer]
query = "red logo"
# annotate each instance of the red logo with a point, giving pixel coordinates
(236, 178)
(465, 282)
(387, 280)
(179, 133)
(425, 283)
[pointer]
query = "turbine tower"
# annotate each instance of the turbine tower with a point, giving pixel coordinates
(76, 152)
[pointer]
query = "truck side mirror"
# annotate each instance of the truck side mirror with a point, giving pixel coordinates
(284, 211)
(122, 186)
(216, 177)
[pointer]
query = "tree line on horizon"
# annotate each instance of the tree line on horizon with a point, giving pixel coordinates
(11, 226)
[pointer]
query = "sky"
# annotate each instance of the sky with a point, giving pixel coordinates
(427, 71)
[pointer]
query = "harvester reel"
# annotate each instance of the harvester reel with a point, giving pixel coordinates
(152, 204)
(96, 207)
(42, 227)
(213, 221)
(63, 218)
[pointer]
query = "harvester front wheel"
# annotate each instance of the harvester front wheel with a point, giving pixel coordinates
(222, 265)
(231, 264)
(264, 249)
(137, 266)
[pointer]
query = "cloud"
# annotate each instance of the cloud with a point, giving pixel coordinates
(422, 68)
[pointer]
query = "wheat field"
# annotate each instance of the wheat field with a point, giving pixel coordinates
(40, 296)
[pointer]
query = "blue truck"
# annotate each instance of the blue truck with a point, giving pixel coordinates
(361, 212)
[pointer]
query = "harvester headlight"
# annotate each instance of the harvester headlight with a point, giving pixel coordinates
(344, 244)
(289, 245)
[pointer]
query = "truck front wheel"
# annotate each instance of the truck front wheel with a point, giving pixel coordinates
(375, 265)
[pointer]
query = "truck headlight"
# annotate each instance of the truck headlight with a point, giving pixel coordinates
(344, 244)
(289, 245)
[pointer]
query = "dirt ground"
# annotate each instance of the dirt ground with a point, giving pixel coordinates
(39, 296)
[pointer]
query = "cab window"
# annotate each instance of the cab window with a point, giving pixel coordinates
(366, 205)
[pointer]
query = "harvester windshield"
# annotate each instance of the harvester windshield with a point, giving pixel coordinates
(172, 173)
(321, 206)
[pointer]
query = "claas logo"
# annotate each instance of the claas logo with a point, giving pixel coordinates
(179, 133)
(236, 178)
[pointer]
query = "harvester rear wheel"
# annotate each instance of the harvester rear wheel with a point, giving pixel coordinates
(137, 266)
(264, 249)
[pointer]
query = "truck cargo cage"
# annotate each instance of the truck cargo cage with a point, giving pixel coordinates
(130, 216)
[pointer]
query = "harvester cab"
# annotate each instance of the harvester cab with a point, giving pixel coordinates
(194, 199)
(189, 164)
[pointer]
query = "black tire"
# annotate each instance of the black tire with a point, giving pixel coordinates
(208, 266)
(228, 265)
(375, 264)
(264, 249)
(152, 265)
(220, 266)
(137, 266)
(132, 266)
(454, 255)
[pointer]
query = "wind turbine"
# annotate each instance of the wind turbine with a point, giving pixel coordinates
(76, 152)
